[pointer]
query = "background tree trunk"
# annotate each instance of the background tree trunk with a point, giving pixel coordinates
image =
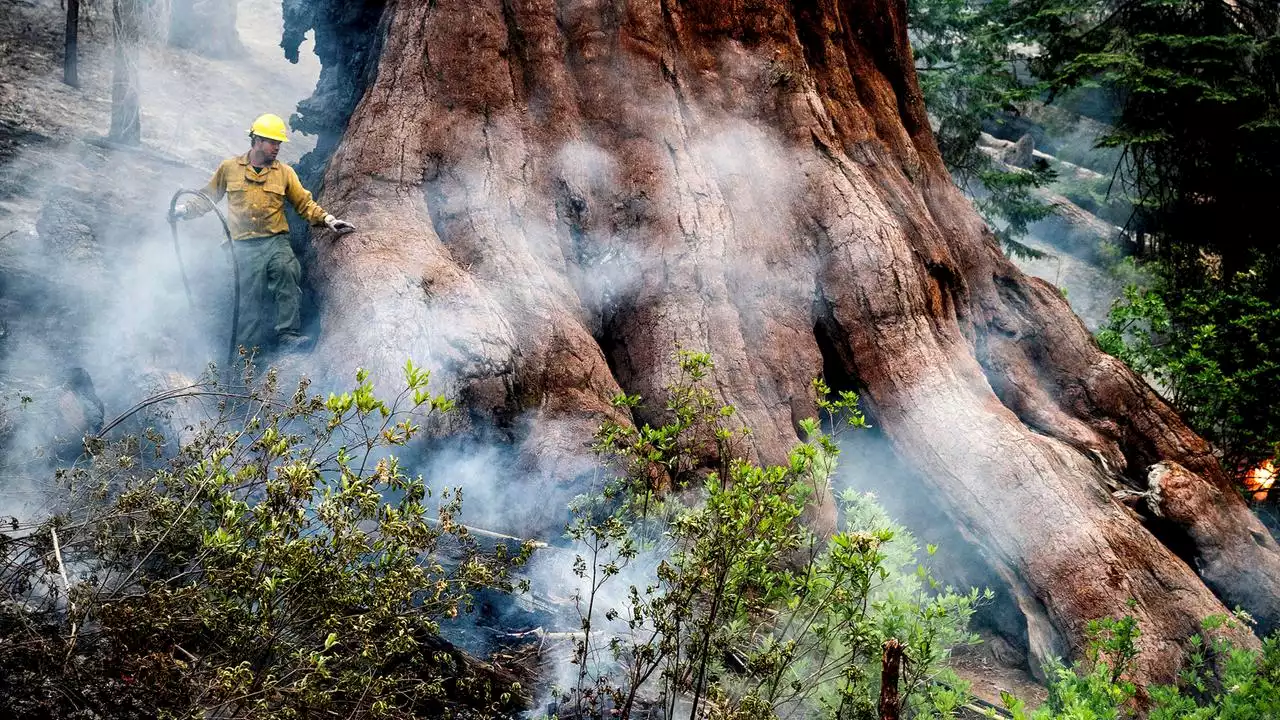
(71, 49)
(205, 26)
(126, 108)
(552, 197)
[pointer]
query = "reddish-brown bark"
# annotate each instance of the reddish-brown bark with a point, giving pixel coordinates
(554, 195)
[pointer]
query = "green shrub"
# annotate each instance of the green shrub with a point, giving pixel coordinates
(1220, 681)
(726, 597)
(1214, 352)
(280, 564)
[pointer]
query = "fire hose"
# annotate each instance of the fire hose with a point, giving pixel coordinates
(235, 266)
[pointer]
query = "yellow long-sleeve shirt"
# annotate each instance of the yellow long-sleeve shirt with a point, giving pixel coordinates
(255, 200)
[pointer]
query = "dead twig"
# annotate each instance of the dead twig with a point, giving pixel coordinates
(890, 671)
(544, 634)
(66, 585)
(183, 650)
(536, 544)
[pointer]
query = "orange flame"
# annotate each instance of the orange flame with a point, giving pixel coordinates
(1260, 479)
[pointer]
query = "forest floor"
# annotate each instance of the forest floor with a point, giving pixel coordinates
(195, 110)
(990, 675)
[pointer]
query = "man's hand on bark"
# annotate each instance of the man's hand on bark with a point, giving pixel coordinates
(342, 227)
(181, 211)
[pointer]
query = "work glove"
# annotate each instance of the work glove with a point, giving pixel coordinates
(342, 227)
(181, 211)
(189, 209)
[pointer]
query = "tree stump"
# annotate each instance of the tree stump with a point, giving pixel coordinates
(890, 672)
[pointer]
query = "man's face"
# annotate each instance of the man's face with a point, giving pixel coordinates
(268, 148)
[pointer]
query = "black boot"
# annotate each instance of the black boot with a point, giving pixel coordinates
(287, 343)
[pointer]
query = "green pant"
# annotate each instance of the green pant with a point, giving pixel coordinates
(269, 293)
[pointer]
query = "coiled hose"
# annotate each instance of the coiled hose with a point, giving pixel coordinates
(235, 266)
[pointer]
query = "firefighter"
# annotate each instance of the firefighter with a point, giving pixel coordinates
(256, 186)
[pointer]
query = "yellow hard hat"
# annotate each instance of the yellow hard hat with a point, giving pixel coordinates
(270, 127)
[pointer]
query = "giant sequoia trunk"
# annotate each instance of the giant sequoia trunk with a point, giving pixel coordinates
(553, 195)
